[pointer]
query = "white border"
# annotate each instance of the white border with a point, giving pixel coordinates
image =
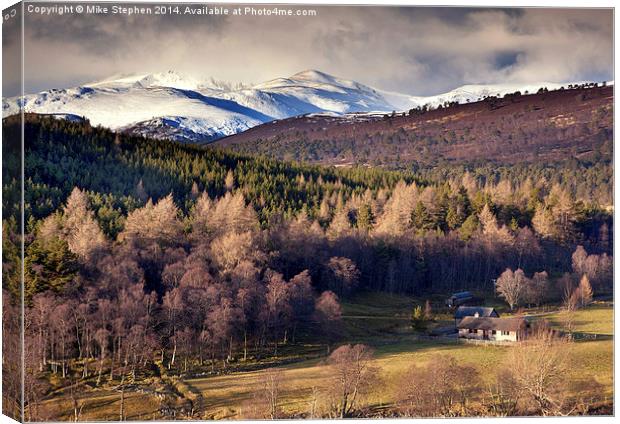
(459, 3)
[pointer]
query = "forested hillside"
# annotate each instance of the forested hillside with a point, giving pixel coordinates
(545, 127)
(135, 246)
(387, 223)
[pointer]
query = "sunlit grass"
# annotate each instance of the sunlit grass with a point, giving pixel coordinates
(382, 321)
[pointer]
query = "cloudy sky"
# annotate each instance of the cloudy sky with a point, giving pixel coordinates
(418, 51)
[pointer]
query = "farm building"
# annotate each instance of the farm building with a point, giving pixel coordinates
(458, 299)
(493, 329)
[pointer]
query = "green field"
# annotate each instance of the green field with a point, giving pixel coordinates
(381, 321)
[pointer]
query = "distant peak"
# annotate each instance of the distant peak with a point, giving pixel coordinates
(169, 78)
(313, 75)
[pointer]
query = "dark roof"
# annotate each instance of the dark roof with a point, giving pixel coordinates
(486, 323)
(470, 311)
(462, 294)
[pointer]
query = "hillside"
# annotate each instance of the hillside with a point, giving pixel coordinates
(113, 166)
(535, 128)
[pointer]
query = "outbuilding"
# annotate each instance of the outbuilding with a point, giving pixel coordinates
(458, 299)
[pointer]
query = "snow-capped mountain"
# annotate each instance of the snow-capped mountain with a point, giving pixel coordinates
(171, 105)
(465, 94)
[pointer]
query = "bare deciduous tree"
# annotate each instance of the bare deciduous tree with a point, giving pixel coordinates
(266, 402)
(502, 395)
(442, 388)
(351, 376)
(539, 365)
(511, 286)
(328, 314)
(343, 275)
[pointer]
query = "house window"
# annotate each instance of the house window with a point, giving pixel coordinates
(505, 333)
(471, 331)
(493, 332)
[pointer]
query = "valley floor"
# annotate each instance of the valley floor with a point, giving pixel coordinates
(385, 328)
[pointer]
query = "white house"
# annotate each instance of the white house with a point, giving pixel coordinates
(492, 329)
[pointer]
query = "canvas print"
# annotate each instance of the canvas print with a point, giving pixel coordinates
(293, 211)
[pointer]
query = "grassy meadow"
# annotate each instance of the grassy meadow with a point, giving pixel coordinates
(379, 320)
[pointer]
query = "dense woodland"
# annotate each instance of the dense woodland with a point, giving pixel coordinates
(140, 250)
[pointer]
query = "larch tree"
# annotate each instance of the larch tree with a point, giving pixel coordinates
(229, 181)
(200, 215)
(87, 241)
(231, 249)
(488, 220)
(564, 214)
(340, 226)
(543, 222)
(158, 223)
(579, 259)
(585, 291)
(230, 213)
(396, 216)
(78, 228)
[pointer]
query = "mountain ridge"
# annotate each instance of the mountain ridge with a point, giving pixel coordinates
(188, 109)
(544, 126)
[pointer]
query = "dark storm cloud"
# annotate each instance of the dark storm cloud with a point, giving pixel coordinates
(106, 34)
(415, 50)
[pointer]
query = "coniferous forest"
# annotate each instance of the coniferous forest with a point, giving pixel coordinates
(147, 258)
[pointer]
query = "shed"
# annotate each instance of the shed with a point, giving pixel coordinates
(459, 298)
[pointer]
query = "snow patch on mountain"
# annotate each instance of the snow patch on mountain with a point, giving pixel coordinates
(465, 94)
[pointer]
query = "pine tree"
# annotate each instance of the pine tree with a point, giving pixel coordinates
(365, 218)
(48, 265)
(469, 227)
(421, 218)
